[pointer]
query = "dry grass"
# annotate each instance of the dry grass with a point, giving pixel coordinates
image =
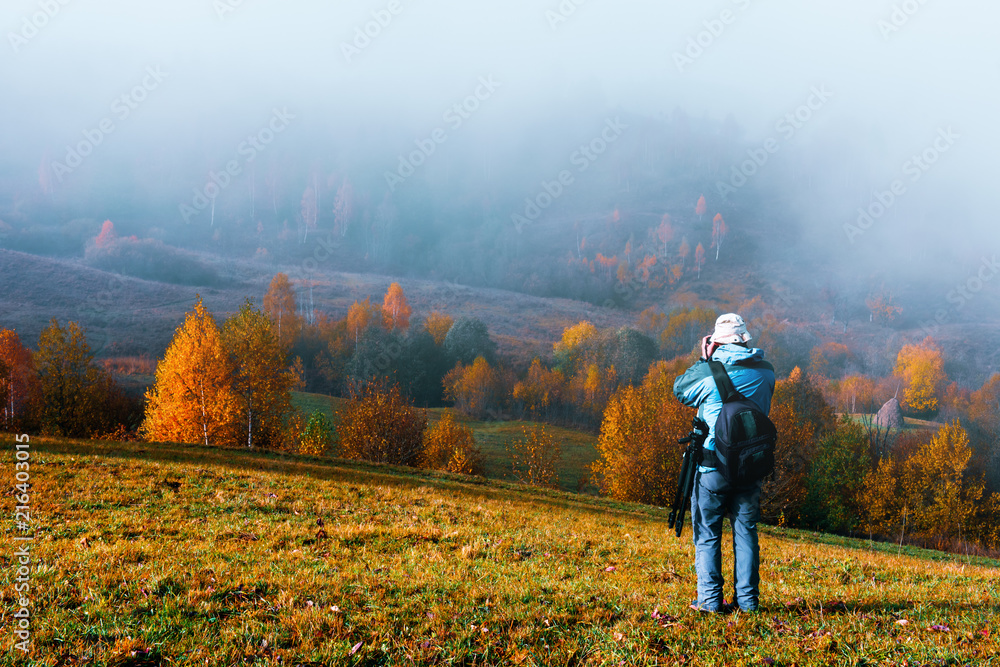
(177, 555)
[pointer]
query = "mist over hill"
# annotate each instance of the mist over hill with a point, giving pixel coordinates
(514, 146)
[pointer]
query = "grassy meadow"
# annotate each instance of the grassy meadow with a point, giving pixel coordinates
(150, 554)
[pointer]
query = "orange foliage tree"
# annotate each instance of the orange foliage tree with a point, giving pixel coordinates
(921, 369)
(651, 321)
(279, 304)
(699, 258)
(540, 393)
(437, 325)
(802, 417)
(639, 455)
(107, 235)
(829, 359)
(475, 389)
(360, 316)
(685, 327)
(701, 206)
(18, 380)
(192, 399)
(396, 310)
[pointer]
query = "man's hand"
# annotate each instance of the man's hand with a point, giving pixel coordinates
(708, 347)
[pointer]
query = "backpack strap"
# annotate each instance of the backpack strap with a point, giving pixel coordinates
(727, 391)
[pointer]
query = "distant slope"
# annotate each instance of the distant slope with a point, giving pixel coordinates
(182, 555)
(125, 315)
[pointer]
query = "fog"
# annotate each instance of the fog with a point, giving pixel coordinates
(885, 81)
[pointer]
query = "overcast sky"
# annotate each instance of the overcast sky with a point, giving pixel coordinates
(898, 71)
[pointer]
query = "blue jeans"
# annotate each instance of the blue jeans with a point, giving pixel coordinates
(711, 500)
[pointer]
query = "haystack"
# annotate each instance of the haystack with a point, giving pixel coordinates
(890, 415)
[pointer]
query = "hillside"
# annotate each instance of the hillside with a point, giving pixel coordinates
(129, 316)
(150, 554)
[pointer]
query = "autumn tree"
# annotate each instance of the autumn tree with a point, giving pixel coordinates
(260, 379)
(540, 392)
(536, 456)
(651, 321)
(685, 327)
(700, 207)
(360, 316)
(921, 369)
(64, 364)
(18, 381)
(107, 236)
(934, 486)
(438, 325)
(684, 251)
(719, 231)
(343, 209)
(377, 424)
(665, 232)
(639, 457)
(192, 400)
(279, 304)
(829, 359)
(576, 346)
(881, 306)
(802, 418)
(475, 389)
(699, 258)
(451, 447)
(310, 212)
(395, 309)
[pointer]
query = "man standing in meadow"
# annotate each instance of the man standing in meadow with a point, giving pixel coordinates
(713, 496)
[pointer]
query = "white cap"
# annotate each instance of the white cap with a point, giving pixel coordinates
(730, 328)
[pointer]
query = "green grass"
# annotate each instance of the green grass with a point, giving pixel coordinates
(181, 555)
(578, 449)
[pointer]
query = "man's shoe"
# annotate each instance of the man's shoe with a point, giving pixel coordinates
(724, 609)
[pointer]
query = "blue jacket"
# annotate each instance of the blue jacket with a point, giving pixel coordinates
(751, 375)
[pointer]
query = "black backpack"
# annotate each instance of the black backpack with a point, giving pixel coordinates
(744, 436)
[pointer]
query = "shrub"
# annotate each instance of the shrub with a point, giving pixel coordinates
(536, 455)
(317, 435)
(451, 447)
(378, 425)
